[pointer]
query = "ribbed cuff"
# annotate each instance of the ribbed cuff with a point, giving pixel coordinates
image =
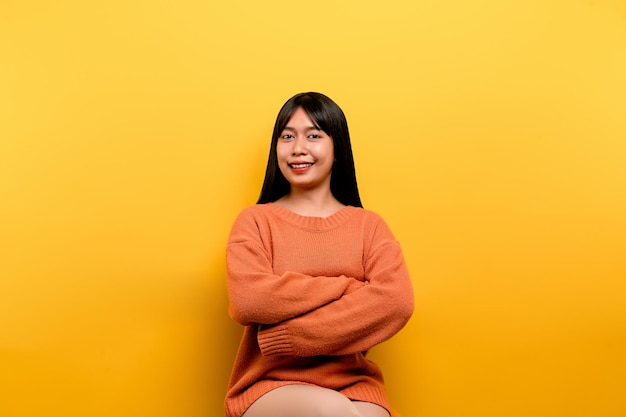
(275, 341)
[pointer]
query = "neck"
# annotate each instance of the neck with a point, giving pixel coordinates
(319, 203)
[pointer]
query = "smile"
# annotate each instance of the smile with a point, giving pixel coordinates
(300, 166)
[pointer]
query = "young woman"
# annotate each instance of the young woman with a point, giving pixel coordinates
(315, 278)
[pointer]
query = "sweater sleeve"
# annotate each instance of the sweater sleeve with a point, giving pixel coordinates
(357, 321)
(257, 295)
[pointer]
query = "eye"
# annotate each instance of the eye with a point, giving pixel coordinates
(287, 136)
(314, 136)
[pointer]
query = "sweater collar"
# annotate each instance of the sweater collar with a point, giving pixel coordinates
(312, 223)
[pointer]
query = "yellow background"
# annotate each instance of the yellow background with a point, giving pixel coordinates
(490, 134)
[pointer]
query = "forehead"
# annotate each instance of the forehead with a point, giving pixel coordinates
(300, 119)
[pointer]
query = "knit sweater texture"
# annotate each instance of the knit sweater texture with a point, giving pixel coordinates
(314, 294)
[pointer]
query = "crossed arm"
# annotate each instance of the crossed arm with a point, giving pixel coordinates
(303, 315)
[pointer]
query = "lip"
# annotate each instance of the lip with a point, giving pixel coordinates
(300, 166)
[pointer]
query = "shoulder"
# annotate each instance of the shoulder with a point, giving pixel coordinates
(251, 218)
(256, 211)
(374, 226)
(251, 210)
(368, 217)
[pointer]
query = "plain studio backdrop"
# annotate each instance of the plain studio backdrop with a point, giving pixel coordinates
(490, 134)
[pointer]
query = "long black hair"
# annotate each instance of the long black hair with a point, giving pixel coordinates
(329, 117)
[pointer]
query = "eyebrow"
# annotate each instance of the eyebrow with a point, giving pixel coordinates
(292, 129)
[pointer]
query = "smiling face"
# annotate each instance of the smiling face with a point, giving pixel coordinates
(305, 153)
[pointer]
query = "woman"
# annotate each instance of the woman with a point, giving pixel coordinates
(315, 279)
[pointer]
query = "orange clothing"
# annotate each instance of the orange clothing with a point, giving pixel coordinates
(314, 294)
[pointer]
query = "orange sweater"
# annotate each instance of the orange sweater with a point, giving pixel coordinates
(314, 294)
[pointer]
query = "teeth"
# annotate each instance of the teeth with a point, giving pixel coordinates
(300, 165)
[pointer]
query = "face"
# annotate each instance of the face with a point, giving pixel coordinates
(305, 153)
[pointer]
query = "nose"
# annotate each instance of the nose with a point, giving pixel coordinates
(299, 146)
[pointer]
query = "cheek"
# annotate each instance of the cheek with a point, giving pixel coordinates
(281, 158)
(281, 154)
(331, 153)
